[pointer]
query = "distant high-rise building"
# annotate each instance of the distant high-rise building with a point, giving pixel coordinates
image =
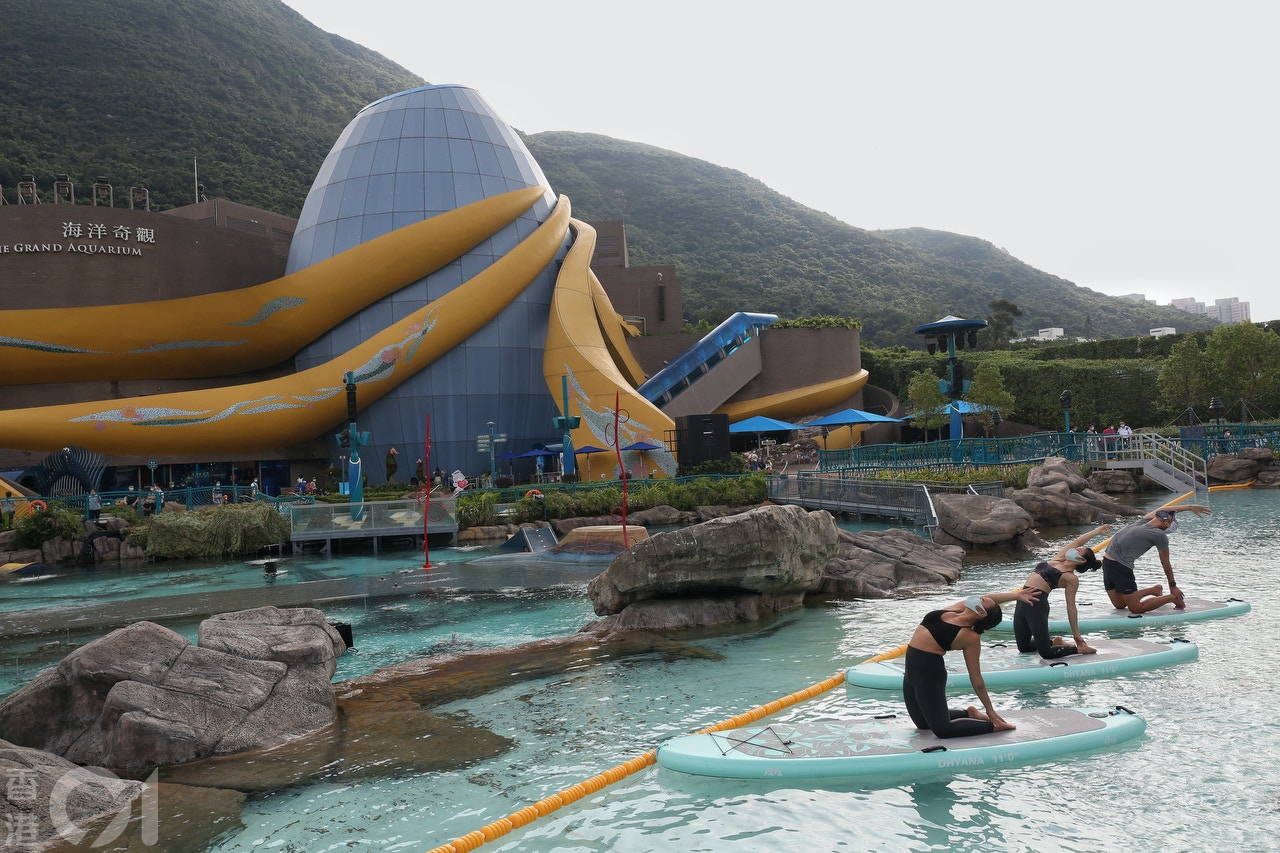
(1231, 310)
(1189, 304)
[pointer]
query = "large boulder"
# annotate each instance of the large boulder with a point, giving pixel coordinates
(1232, 468)
(980, 521)
(1056, 473)
(776, 552)
(876, 563)
(144, 696)
(51, 804)
(1114, 481)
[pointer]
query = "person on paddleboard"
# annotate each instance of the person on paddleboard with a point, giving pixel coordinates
(1131, 543)
(924, 683)
(1031, 621)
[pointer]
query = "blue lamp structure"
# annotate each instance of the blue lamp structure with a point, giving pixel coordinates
(351, 438)
(952, 333)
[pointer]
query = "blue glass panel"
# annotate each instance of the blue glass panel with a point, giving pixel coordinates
(361, 161)
(462, 156)
(493, 185)
(370, 127)
(375, 226)
(341, 164)
(507, 163)
(412, 154)
(323, 244)
(431, 98)
(385, 156)
(436, 156)
(412, 128)
(449, 96)
(467, 189)
(456, 124)
(486, 159)
(353, 197)
(410, 192)
(444, 280)
(392, 121)
(433, 125)
(348, 234)
(440, 191)
(381, 194)
(331, 202)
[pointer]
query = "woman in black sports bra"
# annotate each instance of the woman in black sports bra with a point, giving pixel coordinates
(924, 684)
(1031, 621)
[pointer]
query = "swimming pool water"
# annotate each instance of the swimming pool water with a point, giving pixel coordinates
(1202, 778)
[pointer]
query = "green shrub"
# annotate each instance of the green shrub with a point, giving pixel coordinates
(38, 527)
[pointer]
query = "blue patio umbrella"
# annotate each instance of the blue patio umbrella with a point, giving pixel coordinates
(760, 423)
(852, 418)
(642, 447)
(590, 448)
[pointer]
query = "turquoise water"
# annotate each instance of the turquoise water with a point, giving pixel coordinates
(1202, 778)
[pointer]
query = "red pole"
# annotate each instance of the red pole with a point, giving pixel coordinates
(617, 446)
(426, 505)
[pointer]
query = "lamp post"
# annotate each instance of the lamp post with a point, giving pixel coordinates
(493, 470)
(1065, 399)
(1215, 409)
(952, 333)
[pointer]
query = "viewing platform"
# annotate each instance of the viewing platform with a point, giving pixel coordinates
(375, 520)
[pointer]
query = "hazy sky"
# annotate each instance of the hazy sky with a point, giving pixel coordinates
(1129, 147)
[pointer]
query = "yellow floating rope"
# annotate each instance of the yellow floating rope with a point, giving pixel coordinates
(573, 793)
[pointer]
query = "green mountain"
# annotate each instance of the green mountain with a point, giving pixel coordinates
(145, 92)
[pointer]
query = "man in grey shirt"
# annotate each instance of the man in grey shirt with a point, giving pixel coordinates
(1131, 543)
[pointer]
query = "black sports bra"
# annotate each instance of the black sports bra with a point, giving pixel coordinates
(944, 633)
(1050, 574)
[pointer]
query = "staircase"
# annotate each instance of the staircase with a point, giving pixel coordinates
(1166, 462)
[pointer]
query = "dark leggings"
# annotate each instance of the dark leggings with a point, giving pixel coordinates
(924, 687)
(1031, 629)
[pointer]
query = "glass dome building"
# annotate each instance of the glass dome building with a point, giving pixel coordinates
(405, 158)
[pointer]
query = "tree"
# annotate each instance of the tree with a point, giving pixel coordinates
(987, 392)
(927, 402)
(1000, 324)
(1182, 378)
(1243, 360)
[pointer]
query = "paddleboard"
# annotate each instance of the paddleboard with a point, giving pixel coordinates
(1106, 618)
(892, 745)
(1004, 666)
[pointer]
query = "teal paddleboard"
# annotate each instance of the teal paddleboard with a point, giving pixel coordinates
(891, 746)
(1004, 666)
(1104, 617)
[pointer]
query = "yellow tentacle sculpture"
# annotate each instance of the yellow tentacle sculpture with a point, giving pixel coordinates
(235, 331)
(295, 408)
(576, 347)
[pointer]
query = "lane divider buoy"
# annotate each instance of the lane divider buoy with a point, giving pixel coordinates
(573, 793)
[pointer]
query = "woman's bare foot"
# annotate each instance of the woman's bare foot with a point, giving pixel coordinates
(1150, 591)
(976, 713)
(1058, 641)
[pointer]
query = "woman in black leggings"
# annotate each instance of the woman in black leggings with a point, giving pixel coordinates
(924, 685)
(1031, 621)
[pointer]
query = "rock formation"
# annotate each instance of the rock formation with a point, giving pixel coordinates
(143, 696)
(739, 566)
(876, 563)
